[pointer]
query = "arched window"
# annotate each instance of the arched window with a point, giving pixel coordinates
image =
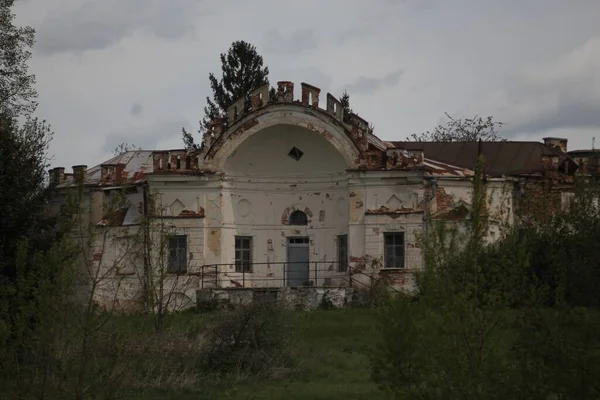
(298, 218)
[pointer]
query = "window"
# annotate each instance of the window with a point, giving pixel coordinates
(394, 250)
(296, 153)
(298, 218)
(342, 252)
(177, 254)
(243, 254)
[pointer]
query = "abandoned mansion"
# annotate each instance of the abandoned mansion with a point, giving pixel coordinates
(290, 194)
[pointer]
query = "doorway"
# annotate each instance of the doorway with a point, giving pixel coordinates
(298, 262)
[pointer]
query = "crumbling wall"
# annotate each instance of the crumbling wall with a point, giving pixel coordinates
(292, 298)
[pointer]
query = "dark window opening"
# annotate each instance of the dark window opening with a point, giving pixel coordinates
(188, 162)
(298, 240)
(178, 162)
(243, 254)
(342, 252)
(177, 255)
(296, 153)
(298, 218)
(394, 250)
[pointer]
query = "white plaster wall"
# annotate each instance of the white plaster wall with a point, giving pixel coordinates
(285, 115)
(265, 154)
(262, 185)
(500, 198)
(260, 213)
(115, 265)
(114, 268)
(393, 190)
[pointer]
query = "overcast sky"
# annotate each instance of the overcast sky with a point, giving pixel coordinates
(136, 71)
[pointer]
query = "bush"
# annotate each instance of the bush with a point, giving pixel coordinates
(252, 340)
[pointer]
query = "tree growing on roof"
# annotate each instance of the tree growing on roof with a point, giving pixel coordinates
(462, 130)
(124, 148)
(345, 100)
(242, 71)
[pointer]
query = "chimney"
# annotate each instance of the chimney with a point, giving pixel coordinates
(59, 175)
(557, 143)
(51, 177)
(120, 176)
(80, 173)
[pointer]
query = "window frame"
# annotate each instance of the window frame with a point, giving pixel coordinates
(342, 252)
(243, 253)
(181, 257)
(393, 246)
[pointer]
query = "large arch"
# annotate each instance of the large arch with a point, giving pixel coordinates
(286, 114)
(285, 151)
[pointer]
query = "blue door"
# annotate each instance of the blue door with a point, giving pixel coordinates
(298, 270)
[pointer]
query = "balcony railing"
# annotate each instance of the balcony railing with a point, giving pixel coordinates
(277, 274)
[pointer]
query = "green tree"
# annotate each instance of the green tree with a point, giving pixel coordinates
(242, 71)
(23, 147)
(31, 255)
(345, 100)
(462, 130)
(455, 320)
(516, 318)
(17, 93)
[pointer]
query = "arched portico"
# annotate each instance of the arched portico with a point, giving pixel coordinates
(290, 115)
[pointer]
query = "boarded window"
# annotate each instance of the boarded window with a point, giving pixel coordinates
(177, 254)
(243, 254)
(394, 249)
(342, 252)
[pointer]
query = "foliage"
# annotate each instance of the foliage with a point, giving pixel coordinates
(330, 352)
(33, 252)
(252, 339)
(23, 163)
(462, 130)
(242, 71)
(17, 92)
(161, 290)
(517, 318)
(345, 100)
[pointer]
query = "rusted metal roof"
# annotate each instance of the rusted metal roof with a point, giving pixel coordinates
(137, 164)
(443, 169)
(501, 158)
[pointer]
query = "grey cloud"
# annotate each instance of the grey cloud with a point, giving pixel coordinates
(100, 24)
(364, 85)
(560, 94)
(347, 35)
(296, 42)
(136, 109)
(147, 136)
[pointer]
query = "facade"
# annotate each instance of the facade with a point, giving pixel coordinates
(292, 194)
(587, 160)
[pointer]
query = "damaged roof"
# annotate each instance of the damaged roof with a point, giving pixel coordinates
(137, 164)
(501, 158)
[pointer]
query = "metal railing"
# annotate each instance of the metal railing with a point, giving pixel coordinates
(276, 274)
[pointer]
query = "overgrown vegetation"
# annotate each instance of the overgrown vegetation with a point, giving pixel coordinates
(517, 318)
